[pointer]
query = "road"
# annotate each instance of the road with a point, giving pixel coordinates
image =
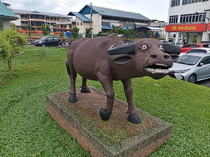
(204, 83)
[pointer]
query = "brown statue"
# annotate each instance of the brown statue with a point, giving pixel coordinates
(107, 58)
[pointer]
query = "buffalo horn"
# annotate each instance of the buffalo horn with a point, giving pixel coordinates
(127, 48)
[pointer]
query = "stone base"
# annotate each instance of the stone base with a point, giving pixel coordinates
(115, 137)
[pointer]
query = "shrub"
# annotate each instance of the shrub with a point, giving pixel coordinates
(11, 43)
(45, 29)
(75, 32)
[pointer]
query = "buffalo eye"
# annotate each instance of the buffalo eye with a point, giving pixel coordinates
(161, 47)
(144, 47)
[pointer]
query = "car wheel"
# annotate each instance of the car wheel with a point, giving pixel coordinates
(192, 78)
(43, 45)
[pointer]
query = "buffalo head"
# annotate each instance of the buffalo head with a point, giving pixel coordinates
(147, 56)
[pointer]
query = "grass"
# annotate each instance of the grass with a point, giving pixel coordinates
(26, 129)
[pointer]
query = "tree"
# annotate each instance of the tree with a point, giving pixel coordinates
(11, 43)
(120, 31)
(61, 33)
(88, 32)
(45, 29)
(75, 32)
(127, 33)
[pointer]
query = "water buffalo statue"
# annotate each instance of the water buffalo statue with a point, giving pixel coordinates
(108, 58)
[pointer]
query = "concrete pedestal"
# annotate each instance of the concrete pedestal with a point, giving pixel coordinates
(115, 137)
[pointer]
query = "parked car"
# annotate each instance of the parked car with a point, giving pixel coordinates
(188, 47)
(191, 67)
(197, 50)
(48, 41)
(179, 44)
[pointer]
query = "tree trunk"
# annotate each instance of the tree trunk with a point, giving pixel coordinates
(9, 63)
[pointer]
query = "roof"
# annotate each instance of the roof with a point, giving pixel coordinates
(113, 12)
(37, 13)
(80, 16)
(6, 13)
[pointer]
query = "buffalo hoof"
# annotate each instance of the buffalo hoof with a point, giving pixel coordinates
(72, 98)
(134, 118)
(104, 114)
(85, 90)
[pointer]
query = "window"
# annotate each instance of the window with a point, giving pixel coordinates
(205, 60)
(49, 39)
(192, 1)
(173, 19)
(77, 23)
(192, 18)
(175, 3)
(81, 23)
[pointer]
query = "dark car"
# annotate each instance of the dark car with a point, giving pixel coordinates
(48, 41)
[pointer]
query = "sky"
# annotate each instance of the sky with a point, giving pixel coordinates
(152, 9)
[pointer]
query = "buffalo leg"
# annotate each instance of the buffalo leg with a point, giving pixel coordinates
(72, 76)
(107, 84)
(84, 88)
(133, 117)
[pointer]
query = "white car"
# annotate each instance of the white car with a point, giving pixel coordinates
(191, 67)
(197, 50)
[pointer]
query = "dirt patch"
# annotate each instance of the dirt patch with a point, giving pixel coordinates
(114, 131)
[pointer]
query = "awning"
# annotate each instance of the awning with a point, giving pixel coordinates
(106, 27)
(144, 28)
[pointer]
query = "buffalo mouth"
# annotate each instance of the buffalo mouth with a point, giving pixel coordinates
(157, 68)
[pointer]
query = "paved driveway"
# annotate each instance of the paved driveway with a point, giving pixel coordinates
(205, 83)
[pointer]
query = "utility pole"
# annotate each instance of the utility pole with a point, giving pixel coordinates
(91, 14)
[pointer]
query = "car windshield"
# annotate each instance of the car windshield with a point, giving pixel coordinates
(188, 59)
(43, 38)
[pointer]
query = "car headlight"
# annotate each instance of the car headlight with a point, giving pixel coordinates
(181, 71)
(40, 42)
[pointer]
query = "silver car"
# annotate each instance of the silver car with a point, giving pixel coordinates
(191, 67)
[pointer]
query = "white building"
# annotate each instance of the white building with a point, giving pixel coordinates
(189, 21)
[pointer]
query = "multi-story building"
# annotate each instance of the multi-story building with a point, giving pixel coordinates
(35, 19)
(6, 15)
(189, 21)
(104, 19)
(161, 25)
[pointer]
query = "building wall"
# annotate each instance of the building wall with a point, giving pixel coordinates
(4, 23)
(82, 25)
(17, 22)
(192, 8)
(97, 22)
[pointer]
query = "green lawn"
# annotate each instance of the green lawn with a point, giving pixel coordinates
(26, 129)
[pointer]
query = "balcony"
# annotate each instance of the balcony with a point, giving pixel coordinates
(34, 19)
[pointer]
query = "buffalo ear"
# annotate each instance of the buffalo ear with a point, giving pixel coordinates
(122, 60)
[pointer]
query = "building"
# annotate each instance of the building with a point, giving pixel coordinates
(189, 21)
(35, 19)
(104, 19)
(5, 16)
(161, 25)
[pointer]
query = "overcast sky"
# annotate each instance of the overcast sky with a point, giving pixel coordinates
(153, 9)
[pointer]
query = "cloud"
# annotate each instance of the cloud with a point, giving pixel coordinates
(152, 9)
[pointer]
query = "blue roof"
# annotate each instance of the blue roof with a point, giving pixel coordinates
(6, 13)
(80, 16)
(112, 12)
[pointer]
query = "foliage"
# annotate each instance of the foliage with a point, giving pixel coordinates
(29, 30)
(75, 32)
(25, 123)
(16, 41)
(5, 49)
(120, 31)
(127, 34)
(45, 29)
(88, 32)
